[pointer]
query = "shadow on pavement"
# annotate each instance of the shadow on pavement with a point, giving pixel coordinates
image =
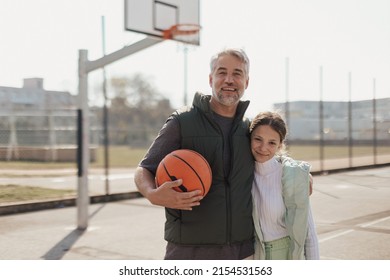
(62, 247)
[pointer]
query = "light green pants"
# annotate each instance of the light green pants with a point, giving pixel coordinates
(277, 249)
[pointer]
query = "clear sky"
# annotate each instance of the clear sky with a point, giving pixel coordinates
(41, 38)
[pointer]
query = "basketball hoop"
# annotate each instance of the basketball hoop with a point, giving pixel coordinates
(185, 32)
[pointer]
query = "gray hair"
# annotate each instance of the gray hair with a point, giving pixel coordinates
(239, 53)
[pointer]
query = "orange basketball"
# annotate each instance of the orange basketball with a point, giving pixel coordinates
(187, 165)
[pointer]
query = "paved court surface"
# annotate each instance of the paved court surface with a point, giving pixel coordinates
(351, 210)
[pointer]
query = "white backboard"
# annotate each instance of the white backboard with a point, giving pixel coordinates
(152, 17)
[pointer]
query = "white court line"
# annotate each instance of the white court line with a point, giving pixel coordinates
(58, 180)
(335, 235)
(112, 177)
(119, 176)
(351, 230)
(374, 222)
(75, 228)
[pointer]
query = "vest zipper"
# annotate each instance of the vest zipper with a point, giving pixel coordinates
(228, 190)
(228, 213)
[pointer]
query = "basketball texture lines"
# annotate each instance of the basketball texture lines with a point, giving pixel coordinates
(187, 165)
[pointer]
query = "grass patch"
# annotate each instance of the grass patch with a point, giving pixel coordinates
(311, 152)
(32, 165)
(119, 156)
(17, 193)
(126, 157)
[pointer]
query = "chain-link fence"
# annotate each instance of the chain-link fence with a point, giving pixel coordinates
(41, 135)
(338, 135)
(48, 136)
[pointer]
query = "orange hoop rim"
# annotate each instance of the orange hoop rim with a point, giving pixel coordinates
(181, 29)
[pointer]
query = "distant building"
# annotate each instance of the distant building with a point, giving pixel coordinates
(39, 124)
(304, 119)
(32, 96)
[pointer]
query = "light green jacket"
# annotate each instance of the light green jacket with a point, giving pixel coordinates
(295, 188)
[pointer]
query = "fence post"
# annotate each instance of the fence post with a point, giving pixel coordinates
(52, 136)
(321, 129)
(12, 149)
(83, 160)
(374, 134)
(350, 128)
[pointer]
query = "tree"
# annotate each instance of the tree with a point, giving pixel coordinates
(137, 90)
(137, 111)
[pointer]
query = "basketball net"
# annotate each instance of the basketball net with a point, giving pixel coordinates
(187, 33)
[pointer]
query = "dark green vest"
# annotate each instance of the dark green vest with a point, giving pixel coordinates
(225, 214)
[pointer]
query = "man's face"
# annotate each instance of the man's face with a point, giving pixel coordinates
(228, 80)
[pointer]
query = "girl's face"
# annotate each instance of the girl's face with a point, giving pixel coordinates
(265, 142)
